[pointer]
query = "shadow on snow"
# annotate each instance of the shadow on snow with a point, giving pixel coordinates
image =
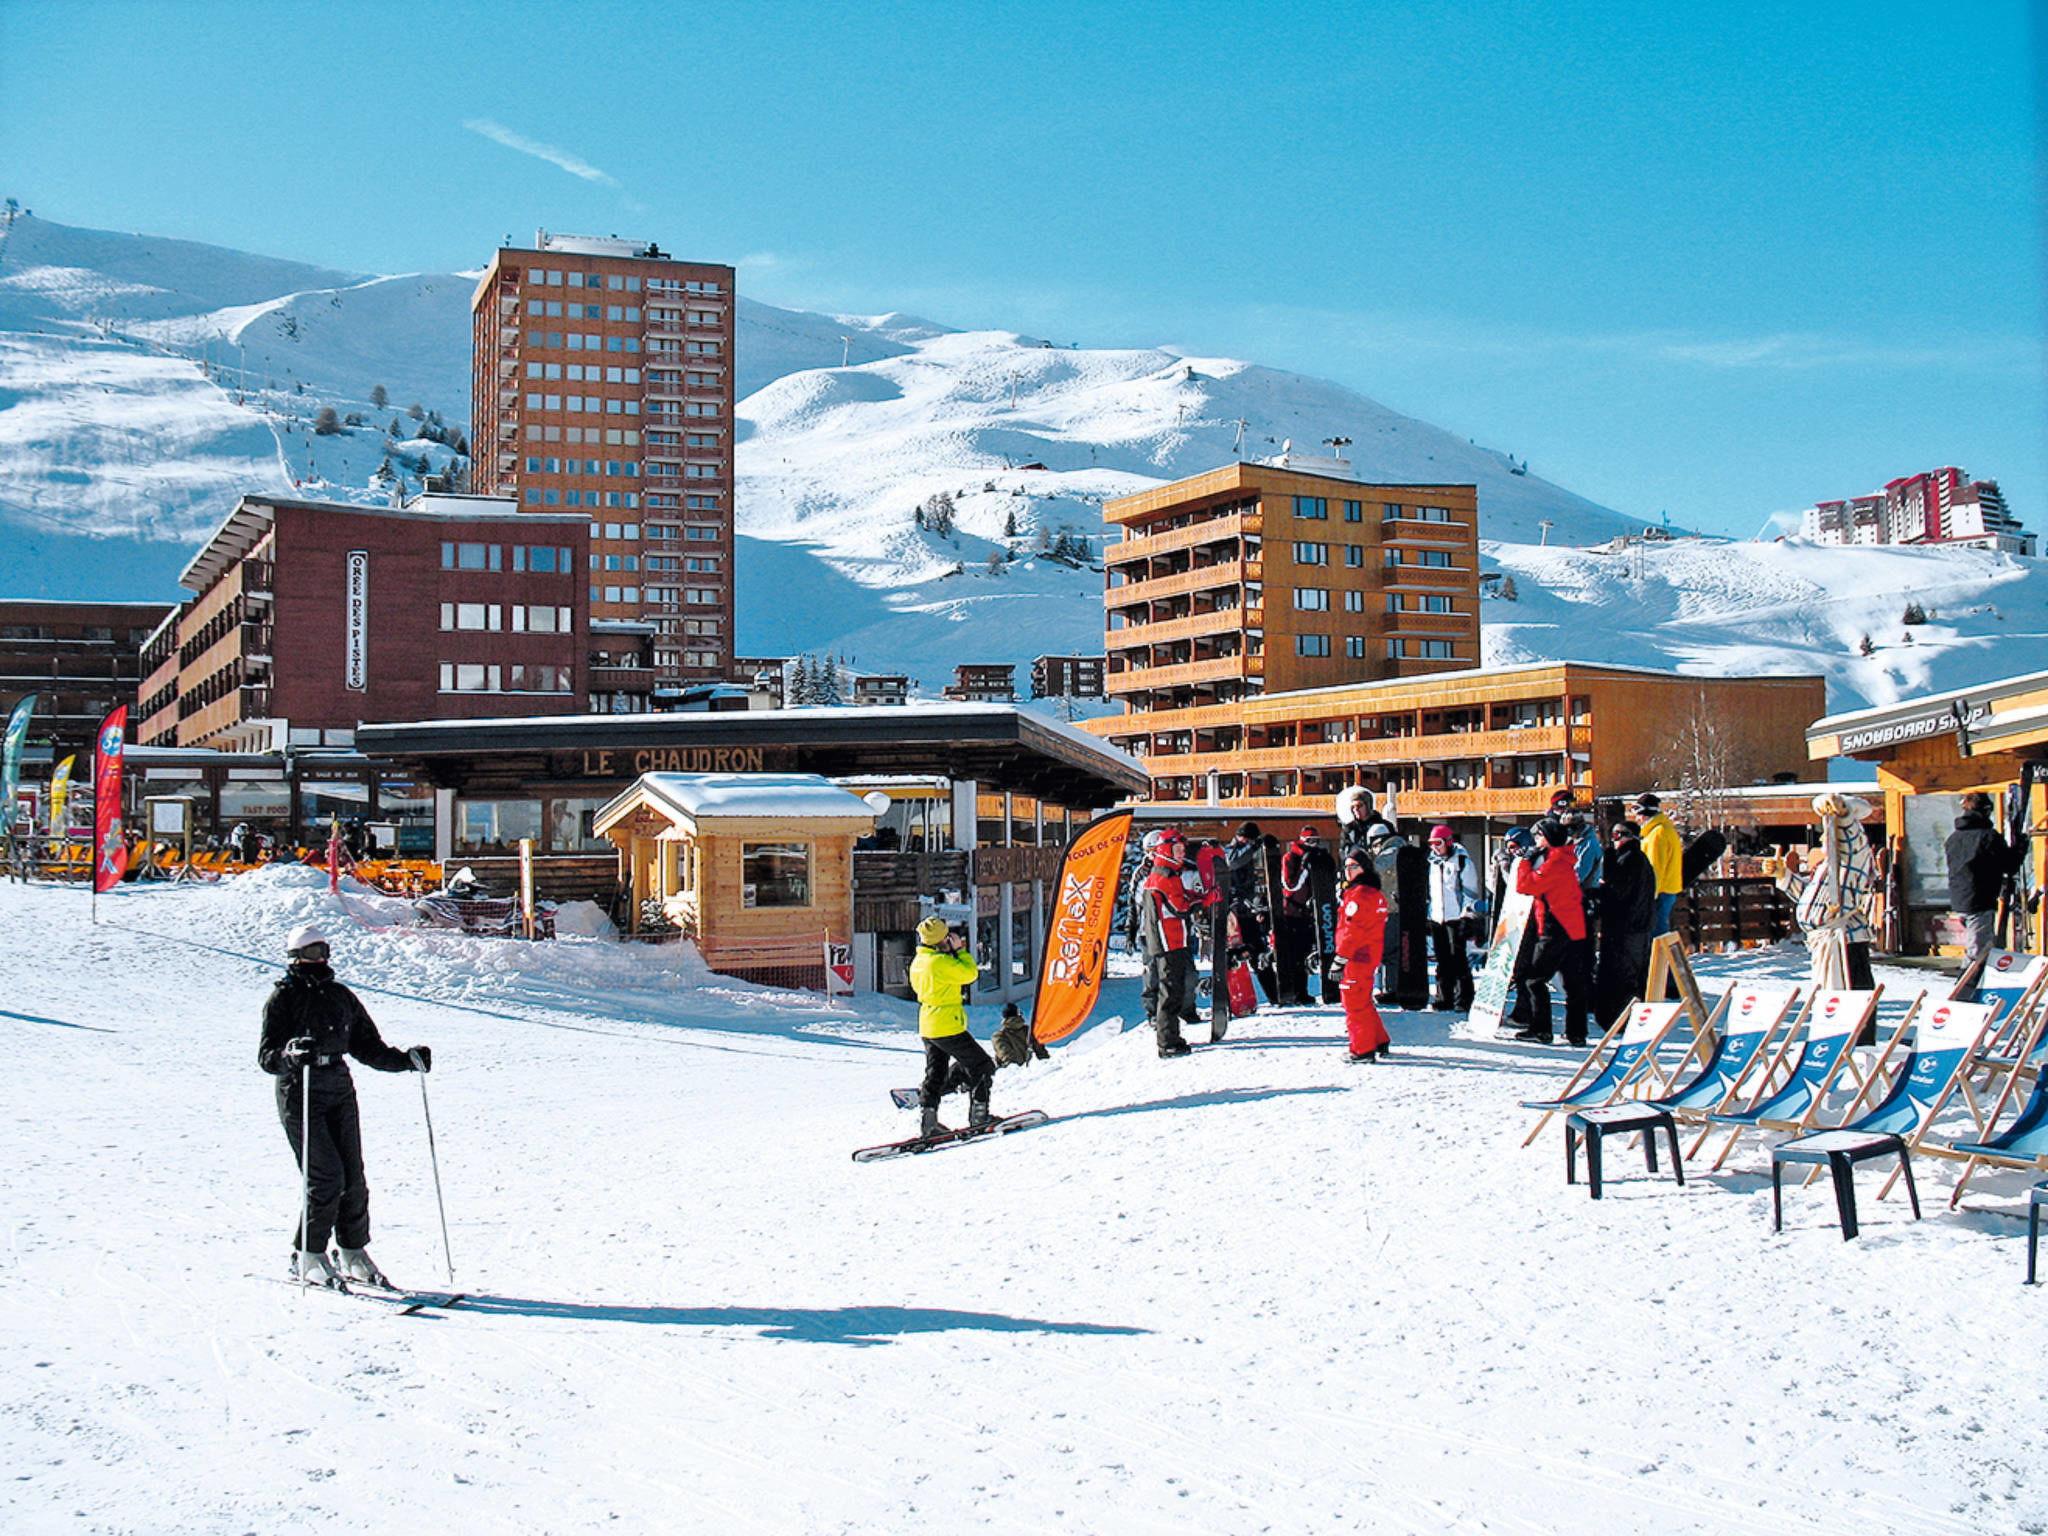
(809, 1325)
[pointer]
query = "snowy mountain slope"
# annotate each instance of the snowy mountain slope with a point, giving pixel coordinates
(1256, 1290)
(1718, 608)
(144, 383)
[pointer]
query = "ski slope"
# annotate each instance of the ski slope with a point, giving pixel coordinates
(145, 383)
(1255, 1290)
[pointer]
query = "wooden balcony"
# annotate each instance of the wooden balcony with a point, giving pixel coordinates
(1451, 746)
(1426, 578)
(1454, 626)
(1148, 722)
(1203, 578)
(1214, 530)
(1223, 621)
(1185, 674)
(1423, 805)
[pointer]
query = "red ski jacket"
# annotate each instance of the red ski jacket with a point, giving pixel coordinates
(1554, 882)
(1167, 908)
(1361, 922)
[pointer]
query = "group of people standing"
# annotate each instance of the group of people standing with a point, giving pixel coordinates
(1299, 917)
(1595, 906)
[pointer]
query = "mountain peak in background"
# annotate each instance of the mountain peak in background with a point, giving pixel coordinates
(146, 383)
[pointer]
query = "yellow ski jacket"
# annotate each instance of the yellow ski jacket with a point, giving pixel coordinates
(936, 979)
(1665, 850)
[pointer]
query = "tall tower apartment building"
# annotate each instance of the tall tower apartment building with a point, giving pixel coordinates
(602, 382)
(1260, 579)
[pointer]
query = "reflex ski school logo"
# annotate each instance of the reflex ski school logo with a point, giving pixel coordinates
(2002, 963)
(112, 737)
(1074, 955)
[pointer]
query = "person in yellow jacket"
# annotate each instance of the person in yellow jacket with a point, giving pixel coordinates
(1665, 850)
(940, 973)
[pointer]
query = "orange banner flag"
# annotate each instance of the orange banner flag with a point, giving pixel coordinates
(1077, 942)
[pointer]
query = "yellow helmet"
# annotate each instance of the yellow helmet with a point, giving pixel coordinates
(932, 931)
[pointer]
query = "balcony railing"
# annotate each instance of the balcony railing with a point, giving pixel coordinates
(1203, 578)
(1221, 621)
(1215, 530)
(1183, 674)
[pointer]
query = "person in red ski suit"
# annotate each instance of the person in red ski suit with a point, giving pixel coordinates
(1166, 918)
(1361, 930)
(1562, 948)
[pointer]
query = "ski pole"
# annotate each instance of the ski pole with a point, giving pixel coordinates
(434, 1158)
(305, 1155)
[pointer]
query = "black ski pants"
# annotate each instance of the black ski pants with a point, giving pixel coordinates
(955, 1056)
(1293, 938)
(1623, 973)
(1557, 955)
(1169, 992)
(1453, 966)
(338, 1204)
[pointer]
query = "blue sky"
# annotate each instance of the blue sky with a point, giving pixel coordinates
(1717, 260)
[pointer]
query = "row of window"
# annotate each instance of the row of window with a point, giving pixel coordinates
(615, 437)
(491, 677)
(555, 277)
(582, 341)
(690, 377)
(626, 468)
(703, 503)
(1316, 509)
(1354, 646)
(592, 405)
(551, 309)
(702, 597)
(1317, 600)
(1319, 554)
(624, 500)
(706, 565)
(526, 618)
(583, 373)
(491, 557)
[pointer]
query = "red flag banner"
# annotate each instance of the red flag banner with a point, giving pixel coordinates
(1077, 941)
(109, 838)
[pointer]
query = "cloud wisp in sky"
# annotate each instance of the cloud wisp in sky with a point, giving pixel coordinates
(561, 159)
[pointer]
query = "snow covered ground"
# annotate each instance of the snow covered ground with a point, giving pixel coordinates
(1255, 1290)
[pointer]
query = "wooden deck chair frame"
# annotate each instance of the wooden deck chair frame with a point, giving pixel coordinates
(1877, 1084)
(1645, 1067)
(1765, 1049)
(1987, 1122)
(1921, 1141)
(2018, 1032)
(1821, 1089)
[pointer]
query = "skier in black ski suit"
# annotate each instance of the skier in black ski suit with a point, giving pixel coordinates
(313, 1020)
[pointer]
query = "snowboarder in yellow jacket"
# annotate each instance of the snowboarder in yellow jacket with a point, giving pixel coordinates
(1665, 850)
(940, 974)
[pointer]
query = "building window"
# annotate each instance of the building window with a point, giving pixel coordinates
(1354, 646)
(472, 616)
(1311, 645)
(775, 874)
(472, 557)
(1432, 514)
(1312, 599)
(1390, 510)
(1314, 508)
(1438, 558)
(1354, 554)
(469, 677)
(1434, 603)
(1354, 602)
(540, 679)
(540, 619)
(1436, 650)
(1311, 554)
(1354, 511)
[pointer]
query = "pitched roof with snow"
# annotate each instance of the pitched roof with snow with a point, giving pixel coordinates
(716, 796)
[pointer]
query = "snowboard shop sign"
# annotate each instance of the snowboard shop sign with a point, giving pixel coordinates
(1077, 939)
(109, 838)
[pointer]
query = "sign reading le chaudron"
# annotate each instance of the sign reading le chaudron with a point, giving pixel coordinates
(630, 762)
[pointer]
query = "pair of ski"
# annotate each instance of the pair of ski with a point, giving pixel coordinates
(907, 1098)
(405, 1303)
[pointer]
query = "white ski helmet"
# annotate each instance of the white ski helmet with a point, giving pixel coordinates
(302, 936)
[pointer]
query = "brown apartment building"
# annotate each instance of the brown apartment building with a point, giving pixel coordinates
(1257, 579)
(78, 658)
(1490, 742)
(309, 618)
(602, 383)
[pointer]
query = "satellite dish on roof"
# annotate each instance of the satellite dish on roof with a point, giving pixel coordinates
(876, 801)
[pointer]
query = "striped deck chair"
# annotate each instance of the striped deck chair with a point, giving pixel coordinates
(1632, 1060)
(1833, 1021)
(1750, 1019)
(1942, 1046)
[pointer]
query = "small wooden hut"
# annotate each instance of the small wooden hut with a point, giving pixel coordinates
(757, 868)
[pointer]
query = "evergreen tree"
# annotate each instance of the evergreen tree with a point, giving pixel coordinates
(394, 429)
(416, 411)
(1010, 524)
(825, 681)
(1866, 648)
(326, 423)
(796, 686)
(379, 396)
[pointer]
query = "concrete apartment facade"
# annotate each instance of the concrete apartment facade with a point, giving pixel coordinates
(1256, 579)
(309, 618)
(602, 382)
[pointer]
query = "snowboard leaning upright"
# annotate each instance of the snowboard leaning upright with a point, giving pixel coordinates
(1411, 960)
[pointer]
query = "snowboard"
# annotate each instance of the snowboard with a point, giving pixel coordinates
(1490, 991)
(1322, 903)
(1219, 971)
(1411, 962)
(1022, 1120)
(1269, 890)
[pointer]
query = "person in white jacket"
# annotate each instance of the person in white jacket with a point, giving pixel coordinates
(1454, 899)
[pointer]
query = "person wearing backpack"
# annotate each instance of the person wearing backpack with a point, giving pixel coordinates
(1454, 899)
